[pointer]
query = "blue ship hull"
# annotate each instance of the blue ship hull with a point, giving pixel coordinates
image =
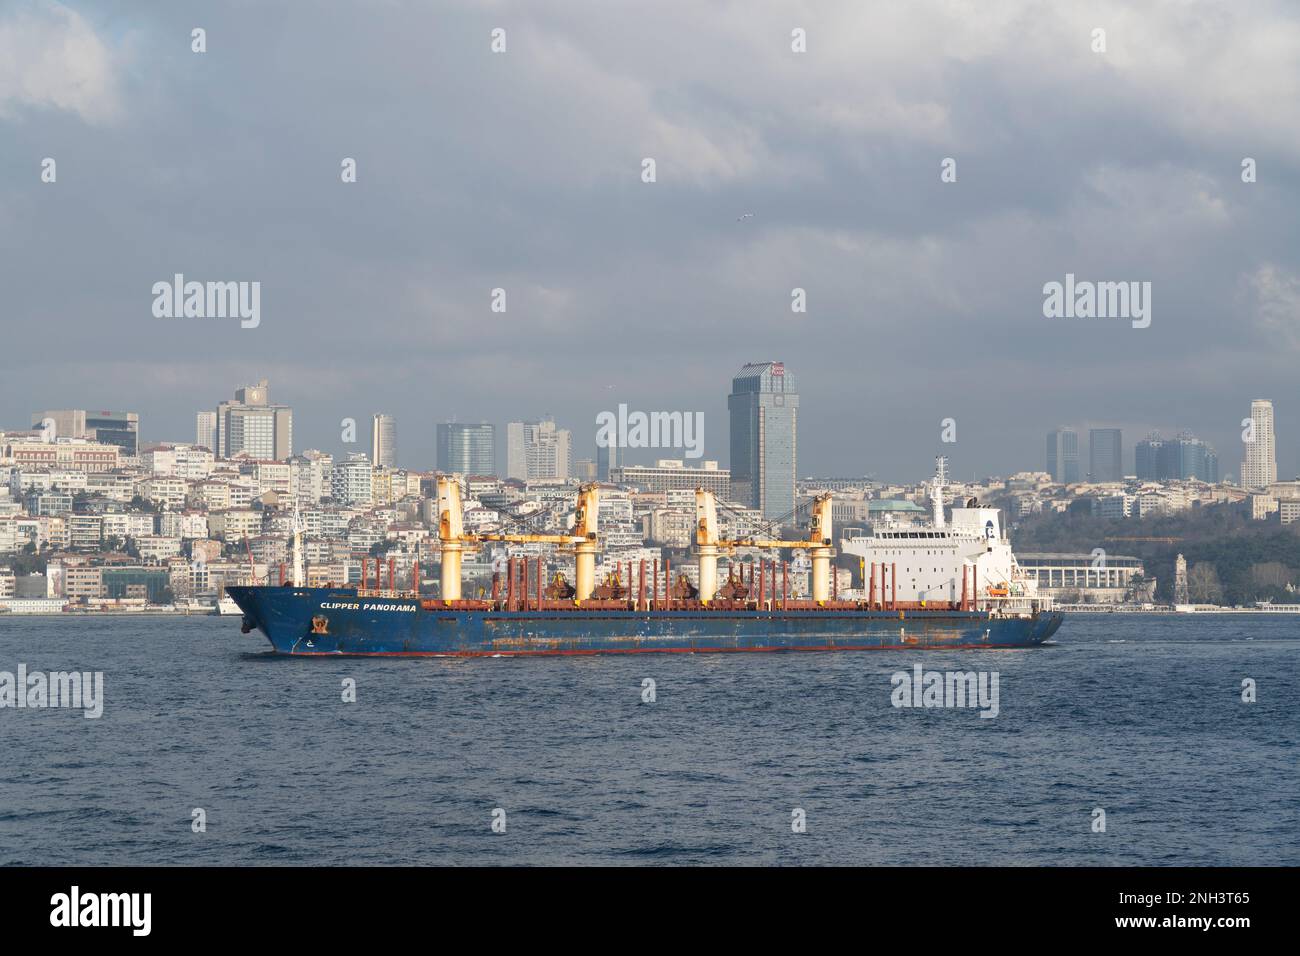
(334, 621)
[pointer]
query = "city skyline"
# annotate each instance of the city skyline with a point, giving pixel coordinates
(923, 297)
(363, 441)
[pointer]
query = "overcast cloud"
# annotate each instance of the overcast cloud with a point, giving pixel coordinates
(522, 171)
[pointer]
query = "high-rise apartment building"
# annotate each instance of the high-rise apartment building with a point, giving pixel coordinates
(1105, 454)
(537, 450)
(352, 480)
(1259, 461)
(1175, 459)
(466, 449)
(764, 410)
(253, 426)
(383, 441)
(205, 430)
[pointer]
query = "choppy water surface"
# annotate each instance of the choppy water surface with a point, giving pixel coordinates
(1138, 714)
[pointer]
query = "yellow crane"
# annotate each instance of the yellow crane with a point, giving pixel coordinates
(452, 536)
(708, 544)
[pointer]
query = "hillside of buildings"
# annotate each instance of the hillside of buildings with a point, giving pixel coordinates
(1231, 559)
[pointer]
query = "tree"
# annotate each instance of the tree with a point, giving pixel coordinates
(1271, 581)
(1203, 584)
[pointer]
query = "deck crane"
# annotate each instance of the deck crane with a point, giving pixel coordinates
(451, 534)
(708, 544)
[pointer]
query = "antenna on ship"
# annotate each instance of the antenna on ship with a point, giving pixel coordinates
(936, 491)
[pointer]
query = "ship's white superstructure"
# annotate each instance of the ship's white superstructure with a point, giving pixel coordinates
(929, 560)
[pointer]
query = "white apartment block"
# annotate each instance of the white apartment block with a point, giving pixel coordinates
(538, 450)
(1259, 463)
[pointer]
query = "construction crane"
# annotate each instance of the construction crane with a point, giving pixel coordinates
(708, 544)
(452, 536)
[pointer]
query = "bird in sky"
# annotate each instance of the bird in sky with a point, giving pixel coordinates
(748, 215)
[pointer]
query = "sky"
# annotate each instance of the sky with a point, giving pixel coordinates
(522, 170)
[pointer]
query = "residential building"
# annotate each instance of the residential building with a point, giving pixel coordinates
(205, 430)
(538, 450)
(1259, 463)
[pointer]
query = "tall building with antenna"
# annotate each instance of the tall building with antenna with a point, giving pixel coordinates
(764, 410)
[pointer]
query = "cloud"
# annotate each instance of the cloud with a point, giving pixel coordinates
(51, 58)
(522, 171)
(1273, 294)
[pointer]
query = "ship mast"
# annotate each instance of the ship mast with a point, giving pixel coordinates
(936, 489)
(298, 577)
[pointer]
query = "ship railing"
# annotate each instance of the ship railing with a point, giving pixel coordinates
(384, 593)
(1015, 604)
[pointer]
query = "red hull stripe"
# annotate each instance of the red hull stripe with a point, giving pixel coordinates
(666, 650)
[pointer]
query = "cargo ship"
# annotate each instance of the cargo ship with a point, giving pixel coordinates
(910, 595)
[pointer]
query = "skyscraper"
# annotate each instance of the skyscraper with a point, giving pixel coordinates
(205, 430)
(537, 450)
(1146, 457)
(467, 449)
(1259, 463)
(1063, 455)
(607, 458)
(1175, 459)
(251, 425)
(383, 441)
(1105, 454)
(764, 410)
